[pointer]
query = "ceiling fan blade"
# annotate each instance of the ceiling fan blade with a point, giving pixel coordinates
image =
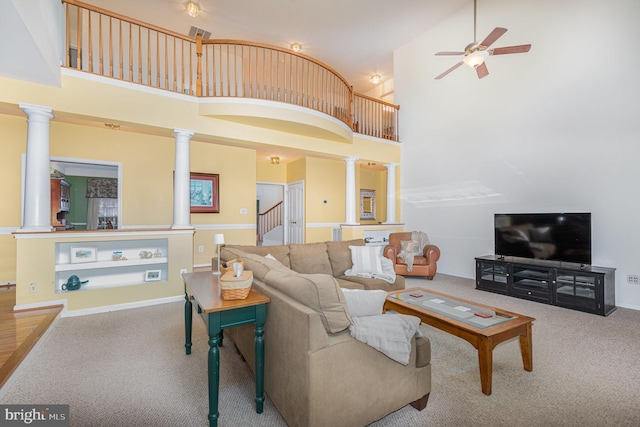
(449, 53)
(449, 70)
(510, 49)
(482, 70)
(495, 35)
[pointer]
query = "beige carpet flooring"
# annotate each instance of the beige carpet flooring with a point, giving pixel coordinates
(128, 368)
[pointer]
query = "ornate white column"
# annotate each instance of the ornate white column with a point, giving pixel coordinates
(182, 180)
(351, 191)
(37, 186)
(391, 193)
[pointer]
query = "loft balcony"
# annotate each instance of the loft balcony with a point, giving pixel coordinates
(237, 80)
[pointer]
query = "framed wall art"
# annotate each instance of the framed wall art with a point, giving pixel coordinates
(204, 192)
(152, 275)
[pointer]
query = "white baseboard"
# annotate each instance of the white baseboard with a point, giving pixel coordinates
(631, 306)
(43, 304)
(125, 306)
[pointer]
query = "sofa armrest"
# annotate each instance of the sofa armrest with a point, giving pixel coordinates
(390, 252)
(432, 254)
(423, 351)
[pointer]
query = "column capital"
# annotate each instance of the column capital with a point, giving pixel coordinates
(351, 159)
(37, 109)
(390, 165)
(183, 132)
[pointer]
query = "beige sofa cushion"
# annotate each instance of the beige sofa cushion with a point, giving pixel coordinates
(319, 292)
(310, 258)
(257, 264)
(279, 252)
(340, 255)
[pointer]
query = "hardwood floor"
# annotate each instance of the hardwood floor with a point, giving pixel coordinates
(19, 331)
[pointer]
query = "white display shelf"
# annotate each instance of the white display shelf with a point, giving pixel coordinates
(105, 272)
(111, 264)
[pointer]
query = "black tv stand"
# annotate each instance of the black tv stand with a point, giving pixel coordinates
(576, 286)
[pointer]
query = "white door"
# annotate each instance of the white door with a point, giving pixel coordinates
(295, 212)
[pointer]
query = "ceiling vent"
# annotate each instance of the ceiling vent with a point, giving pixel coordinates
(194, 31)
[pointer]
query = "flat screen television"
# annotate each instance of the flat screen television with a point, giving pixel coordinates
(548, 236)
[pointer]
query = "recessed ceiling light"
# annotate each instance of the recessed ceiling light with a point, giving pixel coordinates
(375, 79)
(296, 47)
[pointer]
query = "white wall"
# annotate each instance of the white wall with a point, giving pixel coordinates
(555, 129)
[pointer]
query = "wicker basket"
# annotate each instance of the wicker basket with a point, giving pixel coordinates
(236, 287)
(229, 267)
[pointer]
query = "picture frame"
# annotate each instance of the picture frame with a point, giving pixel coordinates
(204, 191)
(368, 204)
(152, 275)
(80, 254)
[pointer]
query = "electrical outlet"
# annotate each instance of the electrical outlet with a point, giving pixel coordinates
(244, 211)
(33, 288)
(201, 248)
(632, 279)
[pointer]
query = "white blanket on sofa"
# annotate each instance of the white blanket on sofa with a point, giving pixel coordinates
(390, 334)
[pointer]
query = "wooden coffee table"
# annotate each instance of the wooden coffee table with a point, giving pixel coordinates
(458, 317)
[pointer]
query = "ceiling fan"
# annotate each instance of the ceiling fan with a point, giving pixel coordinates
(476, 53)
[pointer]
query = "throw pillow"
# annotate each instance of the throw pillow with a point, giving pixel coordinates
(410, 247)
(365, 259)
(363, 302)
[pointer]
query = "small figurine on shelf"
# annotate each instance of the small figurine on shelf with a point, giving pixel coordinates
(157, 254)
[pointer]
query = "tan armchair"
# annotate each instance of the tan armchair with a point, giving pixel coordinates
(424, 265)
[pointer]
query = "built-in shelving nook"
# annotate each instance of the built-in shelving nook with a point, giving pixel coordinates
(114, 268)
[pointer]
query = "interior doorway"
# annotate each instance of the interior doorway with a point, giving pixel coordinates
(270, 214)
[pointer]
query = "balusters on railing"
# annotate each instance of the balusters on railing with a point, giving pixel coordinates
(223, 68)
(269, 220)
(376, 118)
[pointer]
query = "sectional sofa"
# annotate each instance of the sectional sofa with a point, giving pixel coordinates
(316, 373)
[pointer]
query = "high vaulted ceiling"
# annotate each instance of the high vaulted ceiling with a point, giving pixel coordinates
(354, 37)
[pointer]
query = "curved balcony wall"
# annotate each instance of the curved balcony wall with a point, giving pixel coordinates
(111, 45)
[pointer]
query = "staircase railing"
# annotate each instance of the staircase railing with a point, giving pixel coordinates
(269, 220)
(112, 45)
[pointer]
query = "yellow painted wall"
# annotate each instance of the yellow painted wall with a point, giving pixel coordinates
(325, 182)
(237, 173)
(13, 141)
(147, 167)
(267, 172)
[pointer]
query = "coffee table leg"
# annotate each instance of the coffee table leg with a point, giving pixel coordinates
(526, 348)
(485, 359)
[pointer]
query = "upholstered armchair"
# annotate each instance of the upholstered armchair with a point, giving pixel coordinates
(424, 262)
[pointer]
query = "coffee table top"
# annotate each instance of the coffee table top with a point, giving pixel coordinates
(467, 312)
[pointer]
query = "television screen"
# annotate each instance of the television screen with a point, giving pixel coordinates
(549, 236)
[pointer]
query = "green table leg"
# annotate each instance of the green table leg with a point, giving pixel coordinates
(214, 367)
(188, 316)
(261, 316)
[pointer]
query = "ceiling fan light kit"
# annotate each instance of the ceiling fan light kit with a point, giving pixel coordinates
(476, 58)
(476, 54)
